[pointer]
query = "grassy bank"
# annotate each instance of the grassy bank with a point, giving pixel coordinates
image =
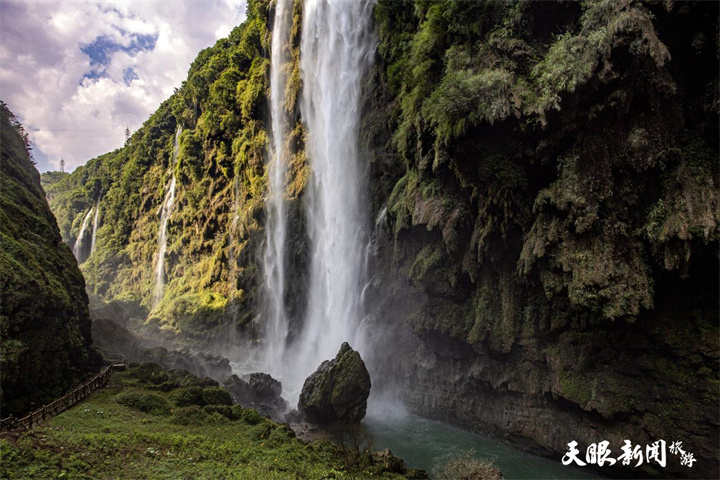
(151, 424)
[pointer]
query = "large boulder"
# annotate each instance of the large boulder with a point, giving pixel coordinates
(338, 390)
(259, 391)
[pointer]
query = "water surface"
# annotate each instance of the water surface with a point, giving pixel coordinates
(426, 444)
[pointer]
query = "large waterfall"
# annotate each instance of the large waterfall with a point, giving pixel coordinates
(166, 211)
(95, 225)
(274, 258)
(77, 248)
(337, 51)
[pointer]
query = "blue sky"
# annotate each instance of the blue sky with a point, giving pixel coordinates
(78, 73)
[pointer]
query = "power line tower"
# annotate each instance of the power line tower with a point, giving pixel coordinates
(127, 134)
(62, 164)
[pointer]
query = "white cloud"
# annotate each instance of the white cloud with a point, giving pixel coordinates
(77, 109)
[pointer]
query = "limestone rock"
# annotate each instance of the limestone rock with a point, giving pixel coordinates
(338, 390)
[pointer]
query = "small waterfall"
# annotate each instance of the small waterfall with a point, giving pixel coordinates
(95, 225)
(274, 257)
(77, 248)
(165, 213)
(337, 51)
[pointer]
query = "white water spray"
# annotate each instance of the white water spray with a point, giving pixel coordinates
(336, 53)
(77, 248)
(164, 217)
(275, 258)
(95, 225)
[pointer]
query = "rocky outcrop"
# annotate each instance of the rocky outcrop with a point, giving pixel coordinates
(338, 390)
(259, 391)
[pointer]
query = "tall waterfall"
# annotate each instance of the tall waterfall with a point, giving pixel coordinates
(337, 51)
(164, 217)
(77, 248)
(275, 258)
(95, 225)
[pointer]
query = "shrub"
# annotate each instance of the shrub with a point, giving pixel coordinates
(224, 410)
(184, 397)
(192, 415)
(251, 416)
(216, 396)
(147, 373)
(467, 466)
(144, 402)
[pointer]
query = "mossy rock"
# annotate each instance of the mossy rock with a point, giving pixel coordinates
(338, 390)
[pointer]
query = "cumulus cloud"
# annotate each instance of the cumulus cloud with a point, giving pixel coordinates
(78, 73)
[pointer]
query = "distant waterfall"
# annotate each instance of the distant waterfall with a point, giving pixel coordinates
(77, 248)
(337, 52)
(95, 225)
(164, 217)
(275, 258)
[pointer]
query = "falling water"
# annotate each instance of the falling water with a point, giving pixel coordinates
(95, 225)
(336, 53)
(274, 257)
(164, 217)
(77, 248)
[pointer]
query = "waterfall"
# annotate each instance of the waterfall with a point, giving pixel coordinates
(337, 51)
(77, 248)
(165, 213)
(274, 257)
(95, 225)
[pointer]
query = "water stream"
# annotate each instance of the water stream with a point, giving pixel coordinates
(95, 225)
(275, 257)
(166, 211)
(77, 248)
(337, 50)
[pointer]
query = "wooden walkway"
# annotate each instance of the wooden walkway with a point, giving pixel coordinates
(118, 362)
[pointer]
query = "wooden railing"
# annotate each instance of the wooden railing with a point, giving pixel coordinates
(61, 404)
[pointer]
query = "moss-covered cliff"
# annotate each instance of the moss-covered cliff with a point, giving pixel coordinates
(44, 322)
(548, 264)
(550, 172)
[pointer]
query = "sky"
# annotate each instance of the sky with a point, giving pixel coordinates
(78, 73)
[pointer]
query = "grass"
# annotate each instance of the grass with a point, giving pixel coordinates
(101, 438)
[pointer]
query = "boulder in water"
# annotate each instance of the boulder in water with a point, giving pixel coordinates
(338, 390)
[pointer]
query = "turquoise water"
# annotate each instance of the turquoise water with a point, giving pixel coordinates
(426, 444)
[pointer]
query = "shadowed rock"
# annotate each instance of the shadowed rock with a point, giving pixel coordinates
(338, 390)
(257, 390)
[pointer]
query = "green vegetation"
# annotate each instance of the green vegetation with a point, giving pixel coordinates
(129, 430)
(220, 175)
(44, 321)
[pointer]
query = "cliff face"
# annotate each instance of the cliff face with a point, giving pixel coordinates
(44, 322)
(551, 183)
(547, 265)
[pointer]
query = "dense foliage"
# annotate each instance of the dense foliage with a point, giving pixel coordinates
(44, 321)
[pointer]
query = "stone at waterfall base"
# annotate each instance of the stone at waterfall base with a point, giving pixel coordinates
(338, 390)
(259, 391)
